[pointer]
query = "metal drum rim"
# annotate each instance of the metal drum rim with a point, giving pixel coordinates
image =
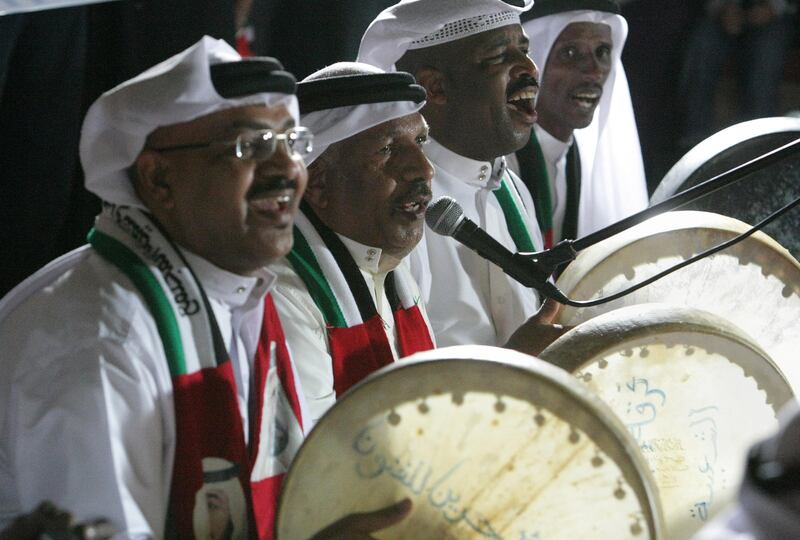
(673, 319)
(715, 145)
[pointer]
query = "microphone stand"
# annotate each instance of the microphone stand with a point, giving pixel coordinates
(541, 265)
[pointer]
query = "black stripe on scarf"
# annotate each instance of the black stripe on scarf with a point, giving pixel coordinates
(573, 170)
(352, 274)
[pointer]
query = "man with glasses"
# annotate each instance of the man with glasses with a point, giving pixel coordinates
(145, 377)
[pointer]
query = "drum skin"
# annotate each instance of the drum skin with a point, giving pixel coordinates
(695, 392)
(758, 194)
(486, 442)
(754, 284)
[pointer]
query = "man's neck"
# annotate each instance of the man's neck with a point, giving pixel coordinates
(555, 130)
(447, 139)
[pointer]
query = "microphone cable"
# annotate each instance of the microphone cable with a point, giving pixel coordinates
(550, 290)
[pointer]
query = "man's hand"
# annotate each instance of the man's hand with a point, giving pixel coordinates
(359, 526)
(50, 522)
(30, 526)
(539, 331)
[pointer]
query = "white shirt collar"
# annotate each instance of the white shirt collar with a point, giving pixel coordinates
(368, 258)
(483, 174)
(232, 289)
(553, 149)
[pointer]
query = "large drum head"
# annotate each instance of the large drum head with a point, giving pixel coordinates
(693, 390)
(754, 284)
(487, 442)
(752, 198)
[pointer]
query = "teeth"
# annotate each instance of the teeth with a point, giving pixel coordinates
(586, 96)
(272, 204)
(523, 94)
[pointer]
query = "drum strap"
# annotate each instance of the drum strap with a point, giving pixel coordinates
(356, 336)
(210, 444)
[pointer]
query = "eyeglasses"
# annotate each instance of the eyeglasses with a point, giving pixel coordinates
(260, 145)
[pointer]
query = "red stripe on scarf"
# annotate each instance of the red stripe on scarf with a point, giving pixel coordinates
(412, 332)
(548, 238)
(358, 351)
(272, 329)
(207, 424)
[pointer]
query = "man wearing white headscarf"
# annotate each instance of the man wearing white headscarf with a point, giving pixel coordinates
(345, 292)
(472, 59)
(145, 377)
(583, 163)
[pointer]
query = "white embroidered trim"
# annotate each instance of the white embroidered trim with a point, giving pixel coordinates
(466, 27)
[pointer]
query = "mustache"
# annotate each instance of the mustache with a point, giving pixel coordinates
(420, 188)
(516, 85)
(273, 183)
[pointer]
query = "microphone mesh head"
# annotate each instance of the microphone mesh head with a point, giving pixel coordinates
(444, 215)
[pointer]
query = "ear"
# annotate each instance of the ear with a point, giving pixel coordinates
(151, 181)
(317, 188)
(433, 81)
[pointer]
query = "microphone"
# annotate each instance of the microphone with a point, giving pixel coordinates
(446, 217)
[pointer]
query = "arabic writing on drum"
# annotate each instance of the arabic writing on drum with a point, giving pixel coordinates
(646, 411)
(421, 479)
(667, 455)
(704, 427)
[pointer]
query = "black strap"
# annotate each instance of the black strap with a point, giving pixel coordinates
(352, 274)
(573, 173)
(251, 76)
(361, 89)
(391, 292)
(529, 169)
(543, 8)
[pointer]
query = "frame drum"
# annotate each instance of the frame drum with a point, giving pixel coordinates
(754, 197)
(754, 284)
(487, 443)
(694, 391)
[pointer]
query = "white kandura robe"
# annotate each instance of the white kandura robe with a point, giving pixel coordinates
(469, 299)
(86, 413)
(554, 152)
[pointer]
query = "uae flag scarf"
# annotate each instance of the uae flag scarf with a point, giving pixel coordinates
(215, 474)
(356, 336)
(533, 172)
(513, 214)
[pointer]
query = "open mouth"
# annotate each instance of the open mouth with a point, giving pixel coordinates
(587, 100)
(523, 101)
(272, 198)
(414, 206)
(271, 204)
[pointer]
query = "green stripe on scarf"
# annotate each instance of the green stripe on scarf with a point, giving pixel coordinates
(514, 220)
(542, 194)
(305, 263)
(123, 258)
